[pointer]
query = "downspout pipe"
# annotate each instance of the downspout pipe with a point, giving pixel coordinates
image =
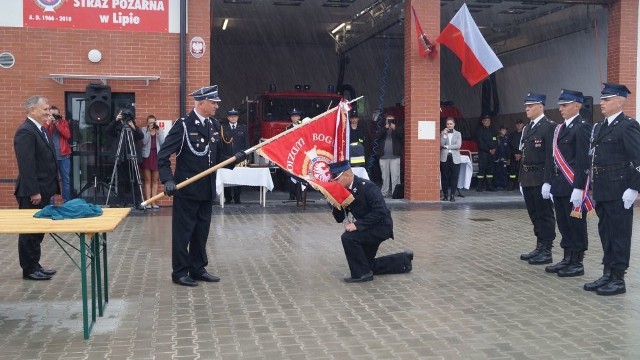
(183, 56)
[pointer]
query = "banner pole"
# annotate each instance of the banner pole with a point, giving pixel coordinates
(233, 158)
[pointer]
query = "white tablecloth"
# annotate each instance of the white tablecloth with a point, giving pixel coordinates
(466, 171)
(244, 176)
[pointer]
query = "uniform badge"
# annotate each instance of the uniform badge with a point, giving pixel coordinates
(638, 168)
(570, 126)
(537, 143)
(213, 139)
(193, 134)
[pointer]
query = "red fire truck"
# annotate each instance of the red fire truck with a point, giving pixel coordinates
(268, 113)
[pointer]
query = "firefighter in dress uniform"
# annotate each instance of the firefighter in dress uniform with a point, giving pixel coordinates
(235, 137)
(535, 178)
(368, 224)
(615, 172)
(571, 159)
(195, 139)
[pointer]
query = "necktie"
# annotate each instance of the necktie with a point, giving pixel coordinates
(44, 134)
(233, 126)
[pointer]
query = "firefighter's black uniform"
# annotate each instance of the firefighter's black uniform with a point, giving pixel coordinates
(374, 225)
(615, 167)
(196, 143)
(536, 169)
(234, 138)
(486, 141)
(573, 144)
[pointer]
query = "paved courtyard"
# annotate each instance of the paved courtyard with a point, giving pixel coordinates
(282, 295)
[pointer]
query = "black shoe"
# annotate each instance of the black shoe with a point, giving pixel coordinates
(185, 281)
(534, 253)
(36, 276)
(49, 272)
(559, 266)
(572, 270)
(409, 254)
(544, 257)
(206, 277)
(603, 280)
(613, 287)
(452, 198)
(363, 278)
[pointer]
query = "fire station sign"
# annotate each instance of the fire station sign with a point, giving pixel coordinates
(127, 15)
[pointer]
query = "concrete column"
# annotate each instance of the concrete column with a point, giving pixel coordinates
(422, 103)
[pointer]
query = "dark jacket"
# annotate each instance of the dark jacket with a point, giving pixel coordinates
(37, 165)
(616, 158)
(369, 209)
(114, 129)
(486, 139)
(234, 140)
(514, 142)
(397, 138)
(573, 144)
(537, 153)
(201, 139)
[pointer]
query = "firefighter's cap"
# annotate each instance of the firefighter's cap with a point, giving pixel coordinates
(206, 93)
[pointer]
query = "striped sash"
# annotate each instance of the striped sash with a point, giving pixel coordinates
(567, 171)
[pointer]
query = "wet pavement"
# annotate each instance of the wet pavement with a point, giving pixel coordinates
(282, 295)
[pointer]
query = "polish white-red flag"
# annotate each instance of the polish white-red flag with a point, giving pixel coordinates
(306, 150)
(463, 37)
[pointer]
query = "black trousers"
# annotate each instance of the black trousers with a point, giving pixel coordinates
(573, 230)
(614, 227)
(449, 173)
(541, 214)
(29, 251)
(514, 169)
(485, 165)
(361, 247)
(190, 229)
(232, 192)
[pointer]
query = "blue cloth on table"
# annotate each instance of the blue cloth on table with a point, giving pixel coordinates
(72, 209)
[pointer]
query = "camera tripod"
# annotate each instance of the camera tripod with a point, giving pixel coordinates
(131, 160)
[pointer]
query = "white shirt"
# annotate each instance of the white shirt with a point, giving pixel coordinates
(568, 121)
(612, 117)
(535, 121)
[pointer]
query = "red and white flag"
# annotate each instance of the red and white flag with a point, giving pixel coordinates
(463, 37)
(306, 150)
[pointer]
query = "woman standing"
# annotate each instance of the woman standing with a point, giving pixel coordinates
(151, 144)
(450, 142)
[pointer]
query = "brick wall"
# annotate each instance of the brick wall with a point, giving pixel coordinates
(622, 39)
(40, 52)
(422, 102)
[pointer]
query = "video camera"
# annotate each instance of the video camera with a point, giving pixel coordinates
(155, 126)
(57, 117)
(127, 115)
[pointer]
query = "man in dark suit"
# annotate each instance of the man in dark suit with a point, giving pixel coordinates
(487, 144)
(196, 142)
(568, 183)
(535, 177)
(615, 170)
(516, 155)
(37, 180)
(368, 224)
(235, 137)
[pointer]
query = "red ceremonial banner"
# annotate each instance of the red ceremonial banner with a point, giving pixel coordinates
(128, 15)
(306, 150)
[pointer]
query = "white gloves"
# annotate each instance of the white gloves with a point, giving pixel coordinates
(628, 197)
(546, 190)
(576, 197)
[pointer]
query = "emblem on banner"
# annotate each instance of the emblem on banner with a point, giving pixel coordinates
(197, 47)
(316, 164)
(49, 5)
